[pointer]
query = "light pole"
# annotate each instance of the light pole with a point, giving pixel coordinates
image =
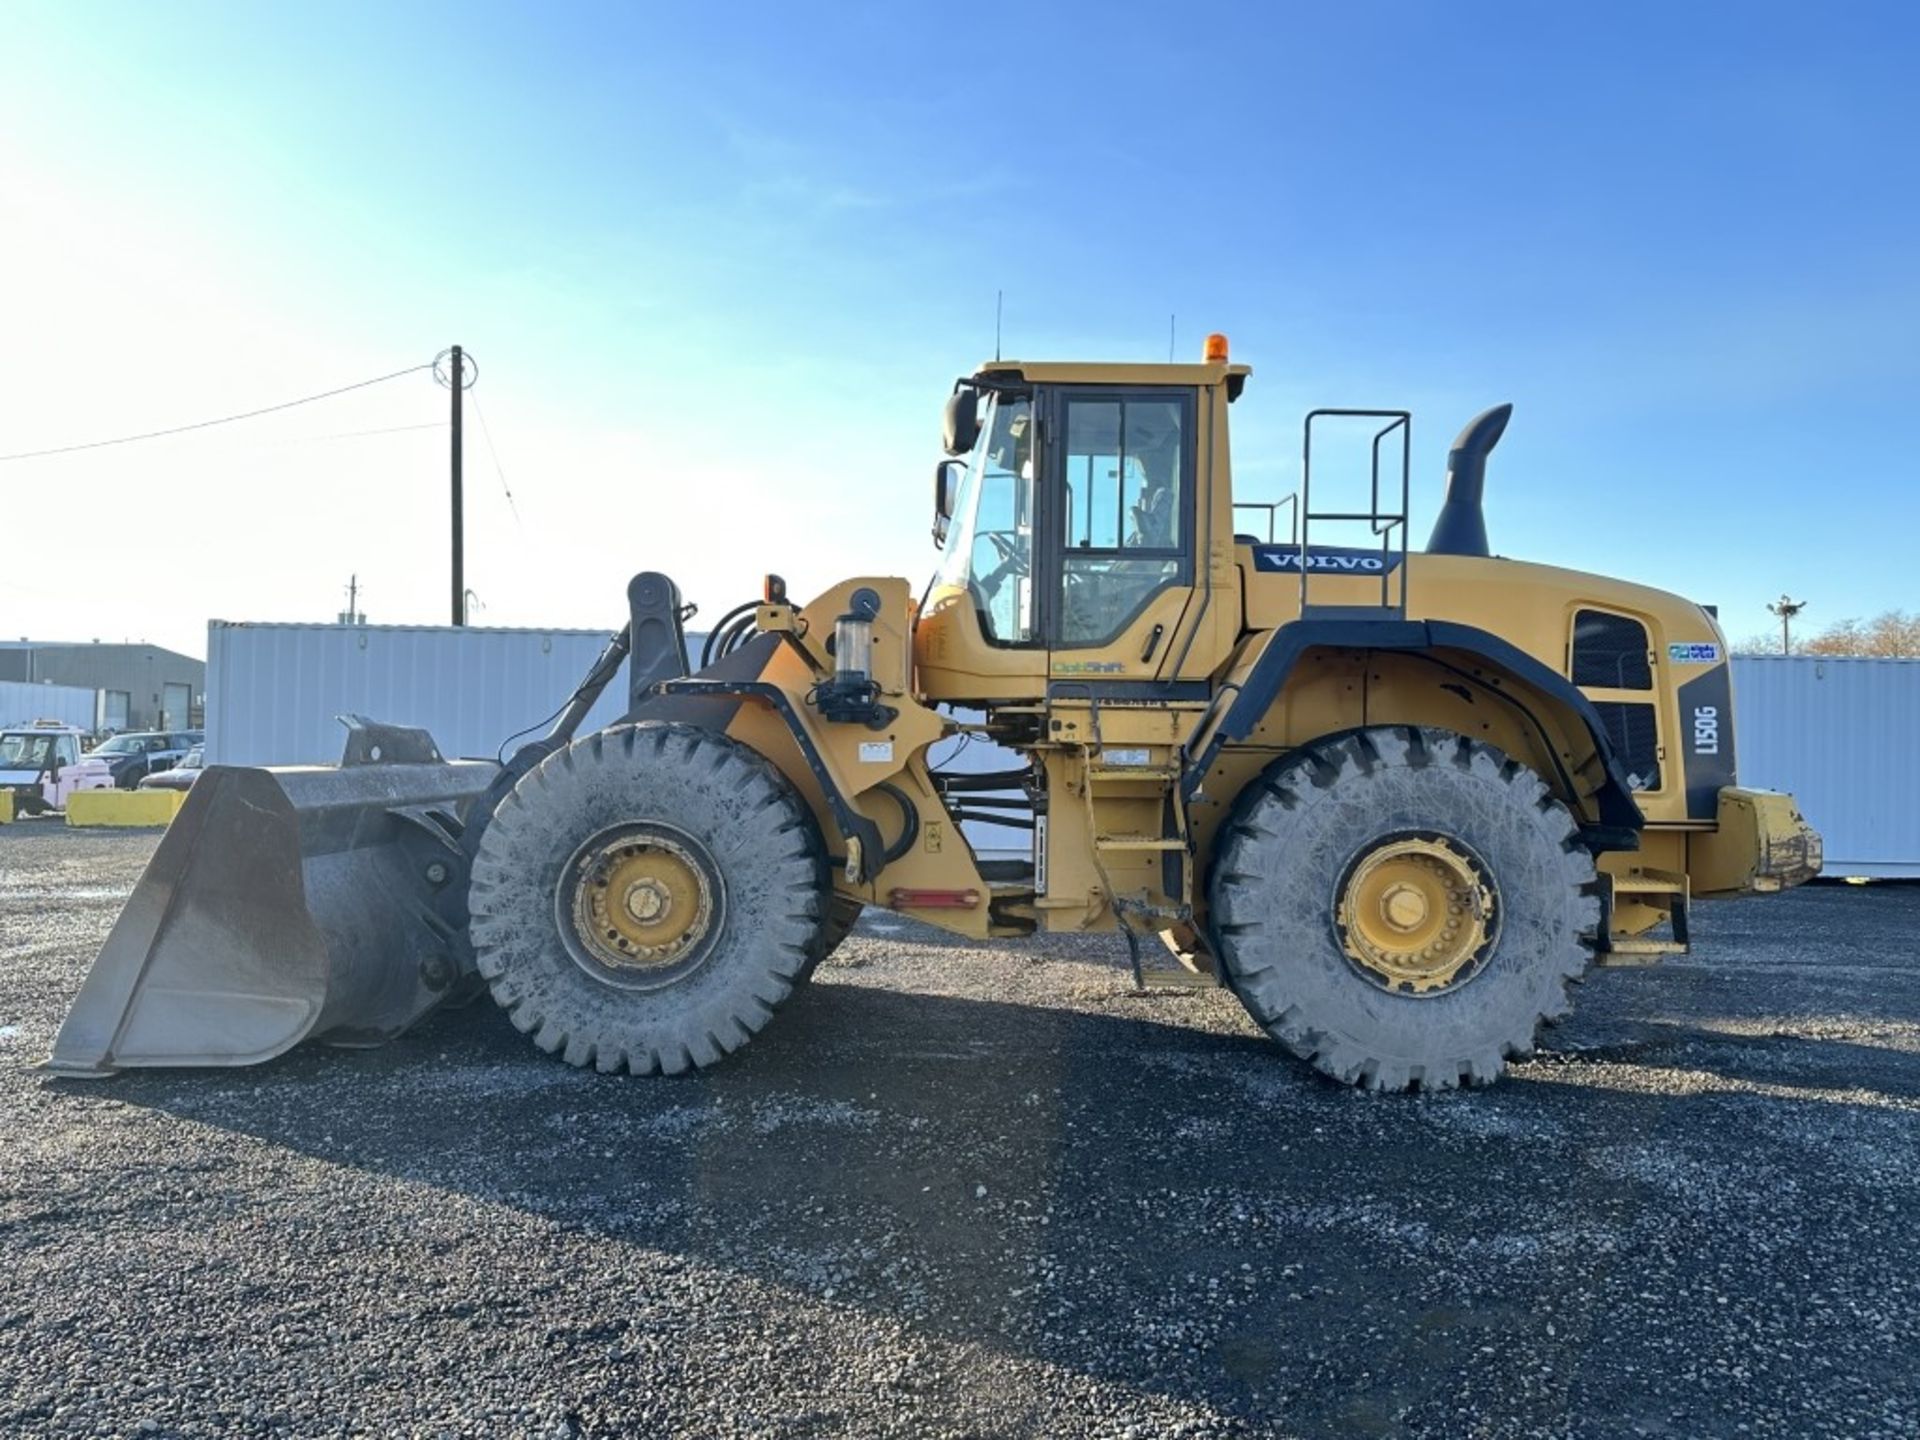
(1786, 608)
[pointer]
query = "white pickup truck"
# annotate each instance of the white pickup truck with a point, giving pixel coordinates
(41, 764)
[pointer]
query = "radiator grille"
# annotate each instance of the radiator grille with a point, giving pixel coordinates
(1610, 652)
(1635, 736)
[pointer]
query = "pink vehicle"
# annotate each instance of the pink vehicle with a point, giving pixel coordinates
(41, 765)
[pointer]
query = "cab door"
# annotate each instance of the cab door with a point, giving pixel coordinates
(1117, 582)
(1121, 550)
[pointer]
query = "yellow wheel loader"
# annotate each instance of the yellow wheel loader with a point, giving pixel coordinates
(1394, 800)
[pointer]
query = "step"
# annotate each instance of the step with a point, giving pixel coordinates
(1650, 882)
(1624, 953)
(1160, 774)
(1664, 890)
(1138, 842)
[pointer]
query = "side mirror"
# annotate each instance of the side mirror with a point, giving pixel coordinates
(963, 420)
(946, 493)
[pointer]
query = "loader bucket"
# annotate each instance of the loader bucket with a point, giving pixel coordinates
(287, 904)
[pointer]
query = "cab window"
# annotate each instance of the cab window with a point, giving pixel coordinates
(989, 545)
(1127, 462)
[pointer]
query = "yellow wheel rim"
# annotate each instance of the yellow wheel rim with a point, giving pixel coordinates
(1415, 915)
(641, 902)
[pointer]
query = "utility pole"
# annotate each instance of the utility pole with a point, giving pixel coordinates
(1786, 608)
(352, 614)
(459, 528)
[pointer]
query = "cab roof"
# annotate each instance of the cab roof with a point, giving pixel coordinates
(1083, 372)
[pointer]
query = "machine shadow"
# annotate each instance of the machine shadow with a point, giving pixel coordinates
(1118, 1191)
(1782, 1059)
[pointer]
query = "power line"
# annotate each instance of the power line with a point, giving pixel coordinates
(487, 435)
(223, 420)
(357, 434)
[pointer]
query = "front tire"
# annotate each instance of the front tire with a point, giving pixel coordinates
(1403, 907)
(645, 898)
(841, 914)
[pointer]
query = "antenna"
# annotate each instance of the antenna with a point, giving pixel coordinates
(999, 296)
(1170, 335)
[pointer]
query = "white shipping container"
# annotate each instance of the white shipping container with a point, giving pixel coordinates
(1838, 733)
(274, 691)
(22, 702)
(1843, 735)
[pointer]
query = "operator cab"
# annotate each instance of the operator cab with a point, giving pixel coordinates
(1068, 524)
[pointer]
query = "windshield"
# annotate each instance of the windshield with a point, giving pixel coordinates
(989, 545)
(120, 745)
(25, 752)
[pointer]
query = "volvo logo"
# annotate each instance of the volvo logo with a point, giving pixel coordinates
(1343, 562)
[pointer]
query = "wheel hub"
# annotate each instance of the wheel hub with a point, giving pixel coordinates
(1416, 915)
(641, 902)
(648, 901)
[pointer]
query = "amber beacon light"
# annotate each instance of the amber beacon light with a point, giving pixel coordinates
(1216, 350)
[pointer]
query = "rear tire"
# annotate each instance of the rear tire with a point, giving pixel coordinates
(1290, 874)
(645, 898)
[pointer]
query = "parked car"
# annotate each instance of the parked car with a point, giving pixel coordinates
(134, 756)
(41, 765)
(181, 776)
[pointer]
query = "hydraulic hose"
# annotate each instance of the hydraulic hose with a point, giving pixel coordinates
(910, 813)
(708, 652)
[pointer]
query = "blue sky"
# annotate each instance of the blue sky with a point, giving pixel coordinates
(720, 265)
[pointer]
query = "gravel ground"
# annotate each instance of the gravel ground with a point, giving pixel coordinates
(981, 1190)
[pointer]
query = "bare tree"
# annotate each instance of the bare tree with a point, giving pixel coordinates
(1893, 633)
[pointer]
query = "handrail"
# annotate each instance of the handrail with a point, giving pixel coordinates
(1273, 507)
(1380, 523)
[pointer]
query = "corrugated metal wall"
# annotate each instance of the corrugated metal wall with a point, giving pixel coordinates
(1839, 733)
(1843, 735)
(22, 703)
(273, 691)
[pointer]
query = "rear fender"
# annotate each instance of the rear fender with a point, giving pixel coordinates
(1593, 783)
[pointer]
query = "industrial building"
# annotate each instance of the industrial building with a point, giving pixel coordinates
(141, 686)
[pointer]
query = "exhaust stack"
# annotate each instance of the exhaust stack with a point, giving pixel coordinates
(1461, 528)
